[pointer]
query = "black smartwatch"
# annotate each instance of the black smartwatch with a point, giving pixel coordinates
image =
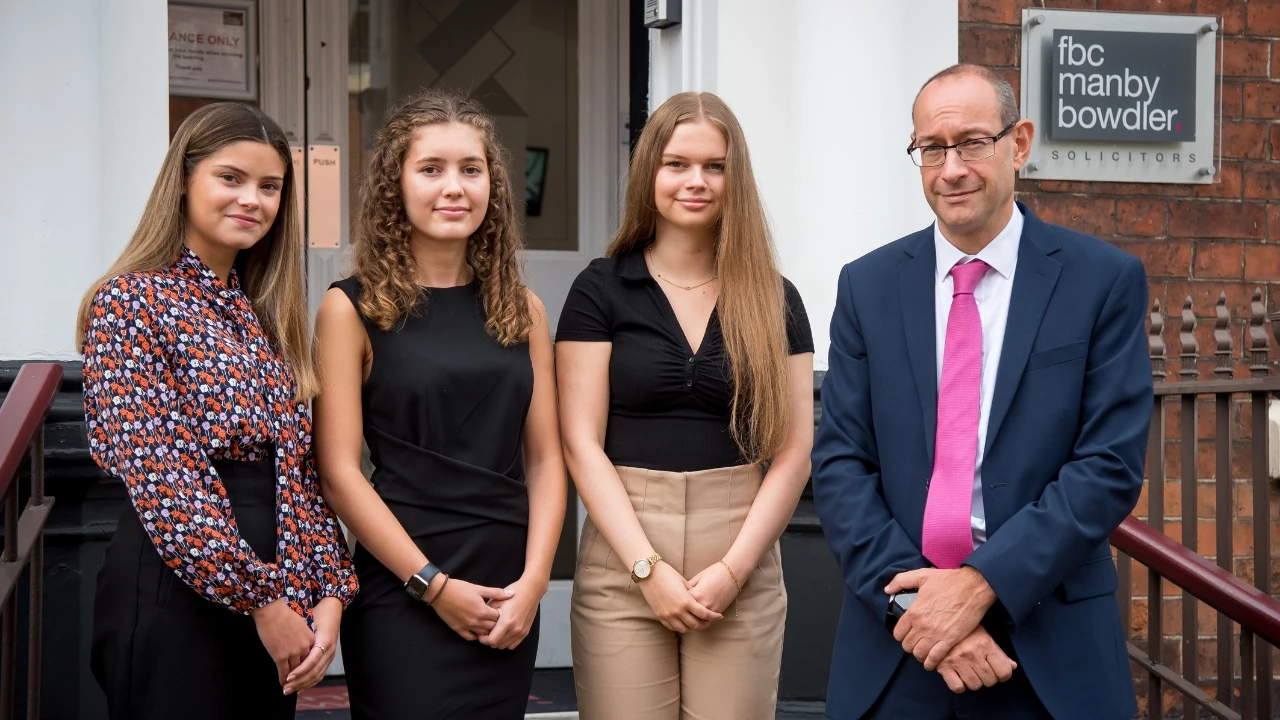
(898, 605)
(421, 580)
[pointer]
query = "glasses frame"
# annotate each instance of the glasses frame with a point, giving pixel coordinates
(911, 148)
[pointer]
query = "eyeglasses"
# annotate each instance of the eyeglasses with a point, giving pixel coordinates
(970, 150)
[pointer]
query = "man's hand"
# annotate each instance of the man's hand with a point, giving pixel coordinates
(948, 607)
(975, 663)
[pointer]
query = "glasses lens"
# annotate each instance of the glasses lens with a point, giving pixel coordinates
(931, 156)
(976, 149)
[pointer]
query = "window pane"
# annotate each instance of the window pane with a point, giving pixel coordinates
(518, 57)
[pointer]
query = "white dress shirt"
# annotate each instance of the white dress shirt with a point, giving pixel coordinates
(993, 295)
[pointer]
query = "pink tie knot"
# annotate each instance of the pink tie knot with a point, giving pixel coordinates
(965, 277)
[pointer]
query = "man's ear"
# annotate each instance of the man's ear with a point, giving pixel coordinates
(1023, 133)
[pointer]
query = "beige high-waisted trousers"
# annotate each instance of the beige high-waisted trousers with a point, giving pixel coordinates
(626, 665)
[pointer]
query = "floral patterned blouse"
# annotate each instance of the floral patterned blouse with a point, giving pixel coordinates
(177, 373)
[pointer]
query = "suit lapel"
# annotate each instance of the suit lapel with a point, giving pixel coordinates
(916, 288)
(1033, 284)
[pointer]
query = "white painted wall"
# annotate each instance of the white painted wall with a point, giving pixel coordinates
(84, 124)
(823, 89)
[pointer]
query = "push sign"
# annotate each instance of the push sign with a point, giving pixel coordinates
(1122, 86)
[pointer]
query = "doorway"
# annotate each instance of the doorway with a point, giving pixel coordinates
(555, 75)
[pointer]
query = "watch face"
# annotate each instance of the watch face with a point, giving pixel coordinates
(642, 568)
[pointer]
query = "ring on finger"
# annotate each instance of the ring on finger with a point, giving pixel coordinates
(322, 648)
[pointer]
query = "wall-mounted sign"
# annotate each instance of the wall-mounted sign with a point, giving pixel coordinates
(1123, 97)
(213, 49)
(1123, 86)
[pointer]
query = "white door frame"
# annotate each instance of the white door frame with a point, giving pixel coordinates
(603, 159)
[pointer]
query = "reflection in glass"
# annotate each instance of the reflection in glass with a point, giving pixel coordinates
(518, 57)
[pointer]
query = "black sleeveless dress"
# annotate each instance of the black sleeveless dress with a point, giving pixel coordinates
(444, 411)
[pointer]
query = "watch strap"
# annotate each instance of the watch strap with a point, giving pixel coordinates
(420, 582)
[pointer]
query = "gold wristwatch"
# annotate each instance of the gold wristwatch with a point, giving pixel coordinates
(644, 567)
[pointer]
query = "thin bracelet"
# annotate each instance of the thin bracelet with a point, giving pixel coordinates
(732, 577)
(438, 592)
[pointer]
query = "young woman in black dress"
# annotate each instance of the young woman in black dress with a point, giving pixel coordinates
(437, 354)
(225, 581)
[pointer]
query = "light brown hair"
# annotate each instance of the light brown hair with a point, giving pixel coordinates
(271, 273)
(383, 258)
(752, 304)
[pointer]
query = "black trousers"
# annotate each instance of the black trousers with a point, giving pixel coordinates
(160, 651)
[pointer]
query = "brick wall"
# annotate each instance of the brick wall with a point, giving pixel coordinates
(1195, 240)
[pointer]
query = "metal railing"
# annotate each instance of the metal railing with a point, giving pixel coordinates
(1236, 603)
(22, 436)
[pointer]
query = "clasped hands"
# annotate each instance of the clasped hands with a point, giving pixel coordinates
(941, 628)
(687, 605)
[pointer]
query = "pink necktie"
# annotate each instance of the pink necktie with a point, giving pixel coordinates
(947, 534)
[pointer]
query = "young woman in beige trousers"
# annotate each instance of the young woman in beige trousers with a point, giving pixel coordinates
(685, 366)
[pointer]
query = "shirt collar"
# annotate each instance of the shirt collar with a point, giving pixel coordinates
(1001, 253)
(192, 267)
(631, 265)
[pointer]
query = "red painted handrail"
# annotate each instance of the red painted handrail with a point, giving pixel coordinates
(22, 415)
(1226, 593)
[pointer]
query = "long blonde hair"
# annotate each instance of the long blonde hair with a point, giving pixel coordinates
(752, 304)
(271, 272)
(383, 256)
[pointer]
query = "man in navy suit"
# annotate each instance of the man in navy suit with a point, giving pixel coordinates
(984, 423)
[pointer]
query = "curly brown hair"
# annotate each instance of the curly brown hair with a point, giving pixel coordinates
(383, 259)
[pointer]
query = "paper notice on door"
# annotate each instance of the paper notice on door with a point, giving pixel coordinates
(324, 196)
(211, 51)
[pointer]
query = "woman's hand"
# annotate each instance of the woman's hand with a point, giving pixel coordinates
(714, 588)
(463, 607)
(284, 634)
(668, 595)
(327, 618)
(517, 612)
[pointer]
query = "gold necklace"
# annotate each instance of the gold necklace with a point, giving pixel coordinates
(672, 282)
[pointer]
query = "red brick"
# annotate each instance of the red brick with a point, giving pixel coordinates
(1275, 59)
(1262, 182)
(1245, 58)
(1203, 219)
(1224, 260)
(1067, 186)
(1261, 262)
(1245, 139)
(1274, 140)
(1232, 99)
(1167, 6)
(1143, 189)
(992, 46)
(1261, 100)
(1092, 215)
(1230, 11)
(1161, 258)
(1141, 217)
(1000, 12)
(1273, 222)
(1263, 17)
(1204, 297)
(1227, 182)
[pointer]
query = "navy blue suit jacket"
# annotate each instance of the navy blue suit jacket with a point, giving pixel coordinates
(1065, 445)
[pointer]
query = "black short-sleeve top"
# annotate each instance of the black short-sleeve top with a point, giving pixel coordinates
(669, 408)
